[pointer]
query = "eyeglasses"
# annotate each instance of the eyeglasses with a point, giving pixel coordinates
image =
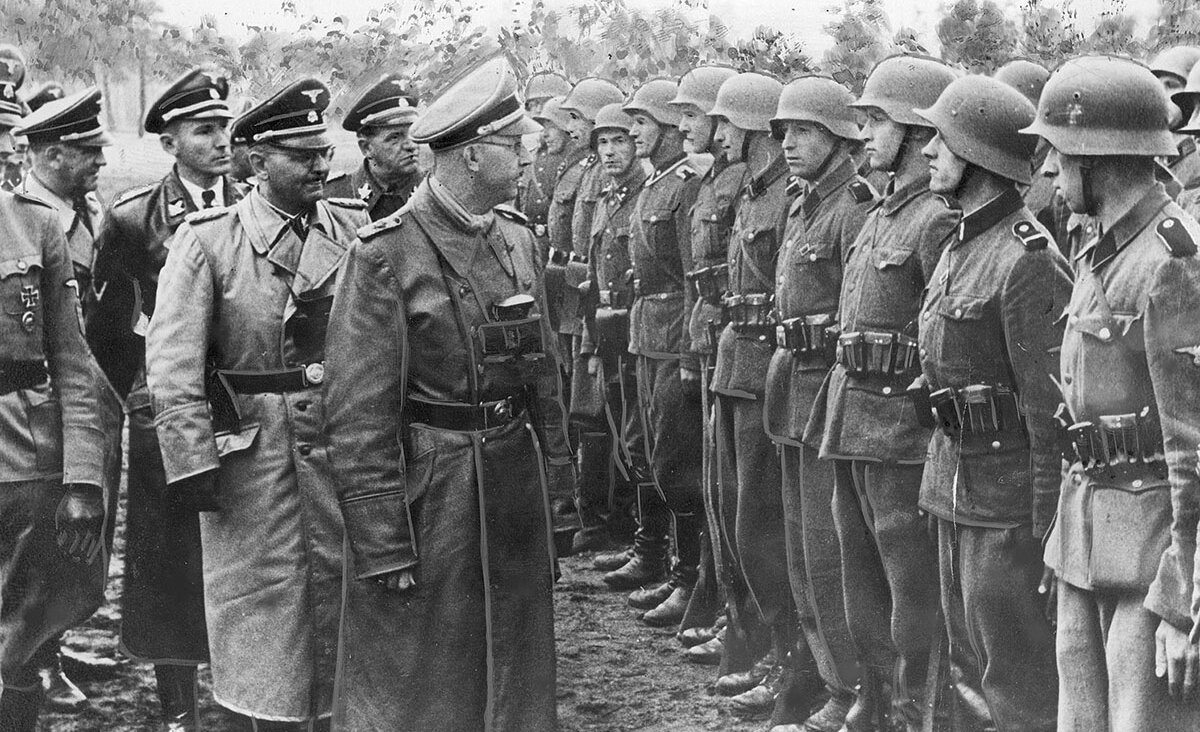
(517, 146)
(308, 158)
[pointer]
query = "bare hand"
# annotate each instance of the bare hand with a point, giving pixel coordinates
(398, 581)
(1176, 658)
(79, 522)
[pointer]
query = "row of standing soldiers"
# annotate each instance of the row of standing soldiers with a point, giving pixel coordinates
(900, 393)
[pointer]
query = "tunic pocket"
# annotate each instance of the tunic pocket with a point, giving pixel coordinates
(1130, 531)
(891, 257)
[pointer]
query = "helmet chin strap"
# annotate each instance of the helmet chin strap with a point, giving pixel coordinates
(901, 150)
(1085, 186)
(969, 172)
(747, 139)
(823, 168)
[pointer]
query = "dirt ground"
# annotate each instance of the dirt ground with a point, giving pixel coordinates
(615, 674)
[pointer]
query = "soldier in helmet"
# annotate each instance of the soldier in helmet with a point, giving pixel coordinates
(1185, 99)
(711, 218)
(1123, 543)
(664, 430)
(819, 135)
(234, 364)
(543, 86)
(556, 148)
(990, 326)
(381, 118)
(861, 419)
(444, 420)
(760, 610)
(1172, 67)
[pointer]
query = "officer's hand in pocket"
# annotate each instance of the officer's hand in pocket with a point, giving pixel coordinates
(79, 522)
(196, 492)
(398, 581)
(690, 380)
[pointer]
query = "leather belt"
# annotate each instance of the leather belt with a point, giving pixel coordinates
(1114, 440)
(865, 353)
(17, 375)
(663, 292)
(978, 409)
(808, 335)
(466, 417)
(754, 311)
(616, 299)
(277, 381)
(562, 257)
(711, 283)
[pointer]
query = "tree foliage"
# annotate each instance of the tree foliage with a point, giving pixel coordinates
(1049, 32)
(976, 35)
(860, 40)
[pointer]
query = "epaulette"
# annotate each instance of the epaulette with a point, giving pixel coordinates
(336, 176)
(510, 213)
(1175, 237)
(375, 228)
(1029, 235)
(686, 173)
(861, 191)
(133, 193)
(30, 198)
(354, 203)
(206, 214)
(794, 186)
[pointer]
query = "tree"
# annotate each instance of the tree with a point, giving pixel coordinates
(860, 40)
(1114, 33)
(976, 35)
(1048, 32)
(1178, 24)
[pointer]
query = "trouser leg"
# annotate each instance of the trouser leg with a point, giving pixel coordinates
(1082, 671)
(595, 478)
(177, 692)
(961, 674)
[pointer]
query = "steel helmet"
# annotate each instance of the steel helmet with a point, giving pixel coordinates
(546, 84)
(748, 100)
(1177, 61)
(589, 95)
(552, 114)
(1186, 101)
(1104, 105)
(899, 84)
(816, 99)
(980, 119)
(1025, 76)
(653, 99)
(700, 85)
(611, 117)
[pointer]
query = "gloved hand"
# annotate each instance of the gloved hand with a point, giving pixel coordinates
(79, 522)
(197, 492)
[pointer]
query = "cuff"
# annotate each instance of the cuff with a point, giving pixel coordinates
(1170, 594)
(380, 531)
(186, 440)
(83, 455)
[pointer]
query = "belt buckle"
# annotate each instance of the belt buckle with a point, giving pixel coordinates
(314, 374)
(503, 410)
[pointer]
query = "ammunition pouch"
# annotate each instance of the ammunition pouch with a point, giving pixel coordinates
(615, 299)
(508, 343)
(612, 333)
(751, 314)
(978, 409)
(711, 283)
(808, 336)
(1118, 440)
(872, 353)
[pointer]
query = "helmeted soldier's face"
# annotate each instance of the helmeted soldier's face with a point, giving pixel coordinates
(555, 139)
(201, 146)
(294, 177)
(731, 138)
(616, 151)
(882, 139)
(580, 128)
(946, 170)
(390, 152)
(1067, 172)
(646, 134)
(697, 128)
(807, 146)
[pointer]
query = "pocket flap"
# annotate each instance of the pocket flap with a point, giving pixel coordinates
(658, 215)
(231, 442)
(418, 472)
(10, 267)
(891, 257)
(962, 307)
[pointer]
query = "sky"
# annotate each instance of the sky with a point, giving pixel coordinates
(803, 18)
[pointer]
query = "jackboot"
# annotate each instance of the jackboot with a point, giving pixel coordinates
(177, 696)
(19, 709)
(735, 683)
(612, 560)
(871, 710)
(708, 653)
(649, 598)
(683, 574)
(649, 562)
(832, 716)
(58, 691)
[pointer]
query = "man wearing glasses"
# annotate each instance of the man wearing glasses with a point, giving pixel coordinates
(235, 361)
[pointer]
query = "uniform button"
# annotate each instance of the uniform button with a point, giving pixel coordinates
(958, 312)
(996, 445)
(21, 266)
(924, 353)
(1067, 379)
(306, 450)
(713, 217)
(812, 257)
(887, 390)
(302, 406)
(1105, 334)
(463, 290)
(926, 315)
(1137, 483)
(608, 256)
(1077, 478)
(653, 218)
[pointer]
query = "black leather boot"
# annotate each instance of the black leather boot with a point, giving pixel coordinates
(177, 696)
(649, 562)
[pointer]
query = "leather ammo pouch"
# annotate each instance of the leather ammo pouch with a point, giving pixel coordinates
(711, 283)
(751, 314)
(978, 409)
(806, 336)
(612, 331)
(872, 353)
(514, 339)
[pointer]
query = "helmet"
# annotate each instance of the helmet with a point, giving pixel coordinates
(653, 99)
(699, 86)
(816, 99)
(552, 114)
(1186, 101)
(1177, 61)
(611, 117)
(979, 119)
(1104, 105)
(589, 95)
(1025, 76)
(748, 100)
(546, 84)
(899, 84)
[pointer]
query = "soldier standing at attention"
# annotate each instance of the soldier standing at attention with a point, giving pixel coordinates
(444, 421)
(552, 155)
(1185, 99)
(749, 468)
(162, 604)
(381, 118)
(862, 421)
(664, 431)
(819, 135)
(990, 327)
(1172, 68)
(234, 364)
(56, 446)
(1123, 543)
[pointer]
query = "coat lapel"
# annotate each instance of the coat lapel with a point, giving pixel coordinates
(320, 255)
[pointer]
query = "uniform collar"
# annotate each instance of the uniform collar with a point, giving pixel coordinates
(63, 208)
(757, 185)
(1186, 147)
(897, 198)
(988, 215)
(667, 167)
(1126, 228)
(632, 184)
(196, 193)
(827, 185)
(267, 225)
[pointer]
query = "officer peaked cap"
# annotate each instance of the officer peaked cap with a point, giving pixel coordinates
(12, 74)
(74, 119)
(198, 94)
(482, 103)
(293, 117)
(44, 94)
(387, 103)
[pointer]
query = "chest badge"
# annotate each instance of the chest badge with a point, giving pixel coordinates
(30, 297)
(176, 208)
(364, 191)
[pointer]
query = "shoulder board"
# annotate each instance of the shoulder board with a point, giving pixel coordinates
(1029, 235)
(30, 198)
(1175, 237)
(134, 193)
(510, 213)
(378, 227)
(794, 186)
(861, 191)
(685, 172)
(206, 214)
(336, 177)
(355, 203)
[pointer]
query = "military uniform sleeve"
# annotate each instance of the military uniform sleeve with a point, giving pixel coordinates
(366, 370)
(1172, 328)
(588, 338)
(176, 351)
(75, 376)
(118, 350)
(1034, 294)
(550, 415)
(688, 358)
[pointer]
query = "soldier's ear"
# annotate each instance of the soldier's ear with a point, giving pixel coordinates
(364, 142)
(168, 143)
(258, 163)
(470, 156)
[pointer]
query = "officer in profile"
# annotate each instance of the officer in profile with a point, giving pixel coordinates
(381, 117)
(1123, 542)
(445, 427)
(162, 603)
